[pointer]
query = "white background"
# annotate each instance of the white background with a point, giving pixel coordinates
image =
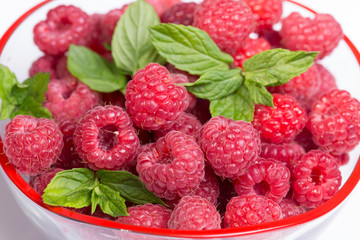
(13, 223)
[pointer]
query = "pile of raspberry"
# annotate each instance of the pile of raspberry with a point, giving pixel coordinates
(212, 172)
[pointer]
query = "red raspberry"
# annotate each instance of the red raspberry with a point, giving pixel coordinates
(161, 6)
(194, 213)
(172, 70)
(251, 210)
(44, 64)
(174, 166)
(323, 33)
(335, 122)
(342, 159)
(105, 138)
(94, 40)
(109, 21)
(316, 178)
(32, 145)
(181, 78)
(69, 99)
(272, 36)
(180, 13)
(266, 12)
(286, 152)
(147, 215)
(327, 82)
(229, 146)
(228, 22)
(186, 123)
(152, 99)
(40, 182)
(61, 68)
(63, 26)
(250, 48)
(268, 178)
(291, 208)
(282, 123)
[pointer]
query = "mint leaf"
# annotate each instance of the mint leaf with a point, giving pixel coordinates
(70, 188)
(277, 66)
(129, 185)
(189, 49)
(95, 71)
(237, 106)
(6, 109)
(110, 201)
(7, 81)
(215, 85)
(31, 107)
(131, 44)
(259, 94)
(95, 200)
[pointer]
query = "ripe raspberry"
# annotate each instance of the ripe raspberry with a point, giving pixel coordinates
(147, 215)
(40, 182)
(194, 213)
(272, 36)
(250, 48)
(316, 178)
(291, 208)
(186, 123)
(327, 82)
(342, 159)
(229, 146)
(63, 26)
(335, 122)
(161, 6)
(181, 78)
(251, 210)
(265, 12)
(44, 64)
(286, 152)
(302, 88)
(32, 145)
(108, 23)
(180, 13)
(105, 138)
(174, 166)
(152, 99)
(323, 33)
(95, 40)
(269, 178)
(172, 70)
(61, 68)
(69, 99)
(282, 123)
(228, 22)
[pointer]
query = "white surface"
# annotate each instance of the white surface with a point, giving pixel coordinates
(14, 225)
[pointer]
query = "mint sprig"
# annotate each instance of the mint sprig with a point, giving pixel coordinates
(81, 187)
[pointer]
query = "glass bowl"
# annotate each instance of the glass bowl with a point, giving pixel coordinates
(17, 51)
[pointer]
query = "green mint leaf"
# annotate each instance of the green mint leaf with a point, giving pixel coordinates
(129, 185)
(259, 94)
(31, 107)
(38, 86)
(189, 49)
(215, 85)
(70, 188)
(131, 44)
(6, 109)
(7, 81)
(110, 201)
(95, 71)
(95, 200)
(237, 106)
(277, 66)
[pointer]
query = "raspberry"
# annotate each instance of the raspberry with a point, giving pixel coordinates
(44, 64)
(175, 165)
(286, 152)
(180, 13)
(251, 210)
(108, 23)
(201, 110)
(61, 68)
(268, 178)
(40, 182)
(161, 6)
(94, 39)
(316, 178)
(265, 12)
(63, 26)
(229, 146)
(147, 215)
(105, 138)
(152, 99)
(186, 123)
(228, 22)
(172, 70)
(282, 123)
(291, 208)
(32, 145)
(181, 78)
(322, 34)
(69, 99)
(327, 82)
(335, 122)
(342, 159)
(194, 213)
(250, 48)
(272, 36)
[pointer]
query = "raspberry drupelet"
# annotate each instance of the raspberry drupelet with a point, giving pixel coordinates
(105, 138)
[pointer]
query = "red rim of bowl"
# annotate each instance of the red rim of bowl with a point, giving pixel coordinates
(24, 187)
